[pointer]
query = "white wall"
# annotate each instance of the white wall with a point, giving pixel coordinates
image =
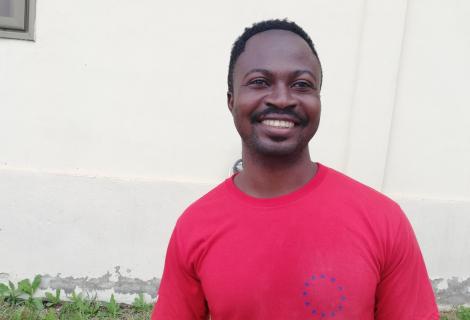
(115, 119)
(429, 151)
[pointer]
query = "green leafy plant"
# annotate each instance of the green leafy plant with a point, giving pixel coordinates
(81, 306)
(77, 302)
(112, 307)
(29, 288)
(10, 293)
(4, 290)
(463, 313)
(140, 305)
(51, 315)
(25, 313)
(53, 300)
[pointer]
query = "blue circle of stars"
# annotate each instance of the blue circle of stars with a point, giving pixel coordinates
(308, 293)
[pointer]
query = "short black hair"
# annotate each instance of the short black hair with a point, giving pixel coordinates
(274, 24)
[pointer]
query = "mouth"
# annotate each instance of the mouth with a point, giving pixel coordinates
(282, 124)
(278, 119)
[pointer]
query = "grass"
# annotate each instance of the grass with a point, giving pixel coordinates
(458, 313)
(70, 311)
(67, 311)
(73, 311)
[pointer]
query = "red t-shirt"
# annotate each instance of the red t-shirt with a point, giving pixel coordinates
(333, 249)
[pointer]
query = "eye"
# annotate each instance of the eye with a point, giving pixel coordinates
(258, 82)
(303, 85)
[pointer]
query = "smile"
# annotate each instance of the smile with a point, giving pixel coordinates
(278, 123)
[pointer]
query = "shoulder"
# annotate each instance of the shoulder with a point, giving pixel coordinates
(345, 188)
(205, 211)
(379, 218)
(360, 205)
(198, 222)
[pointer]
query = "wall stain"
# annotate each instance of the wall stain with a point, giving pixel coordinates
(451, 292)
(122, 284)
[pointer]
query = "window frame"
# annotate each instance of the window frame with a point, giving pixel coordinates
(21, 25)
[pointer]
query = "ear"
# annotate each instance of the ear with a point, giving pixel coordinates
(230, 101)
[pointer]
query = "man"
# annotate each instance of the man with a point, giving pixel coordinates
(287, 238)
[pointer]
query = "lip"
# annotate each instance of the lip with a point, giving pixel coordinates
(275, 116)
(276, 132)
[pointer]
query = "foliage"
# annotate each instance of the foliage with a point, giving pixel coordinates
(26, 287)
(51, 315)
(3, 291)
(457, 313)
(80, 307)
(463, 313)
(18, 302)
(112, 307)
(52, 300)
(10, 293)
(139, 304)
(22, 294)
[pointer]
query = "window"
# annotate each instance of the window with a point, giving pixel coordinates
(17, 19)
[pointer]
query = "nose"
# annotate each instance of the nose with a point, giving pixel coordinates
(281, 97)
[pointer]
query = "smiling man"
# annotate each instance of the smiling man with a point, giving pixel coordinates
(287, 238)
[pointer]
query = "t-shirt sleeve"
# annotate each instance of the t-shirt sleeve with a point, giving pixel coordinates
(404, 291)
(180, 295)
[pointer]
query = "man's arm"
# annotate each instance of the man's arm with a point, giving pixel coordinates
(180, 296)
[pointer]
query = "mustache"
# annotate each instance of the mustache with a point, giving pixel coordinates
(273, 110)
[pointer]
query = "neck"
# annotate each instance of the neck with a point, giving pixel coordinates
(269, 176)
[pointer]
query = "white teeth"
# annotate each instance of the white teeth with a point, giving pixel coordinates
(278, 123)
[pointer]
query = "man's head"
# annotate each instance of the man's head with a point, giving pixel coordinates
(274, 89)
(276, 24)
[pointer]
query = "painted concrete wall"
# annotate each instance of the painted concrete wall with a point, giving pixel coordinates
(115, 119)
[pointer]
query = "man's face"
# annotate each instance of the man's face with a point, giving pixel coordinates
(275, 101)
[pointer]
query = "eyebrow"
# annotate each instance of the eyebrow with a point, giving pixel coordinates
(267, 72)
(264, 71)
(299, 72)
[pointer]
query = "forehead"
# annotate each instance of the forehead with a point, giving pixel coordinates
(276, 50)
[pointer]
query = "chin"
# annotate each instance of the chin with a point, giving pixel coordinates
(277, 149)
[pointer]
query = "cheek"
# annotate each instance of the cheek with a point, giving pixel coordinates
(243, 108)
(317, 111)
(314, 107)
(247, 98)
(237, 119)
